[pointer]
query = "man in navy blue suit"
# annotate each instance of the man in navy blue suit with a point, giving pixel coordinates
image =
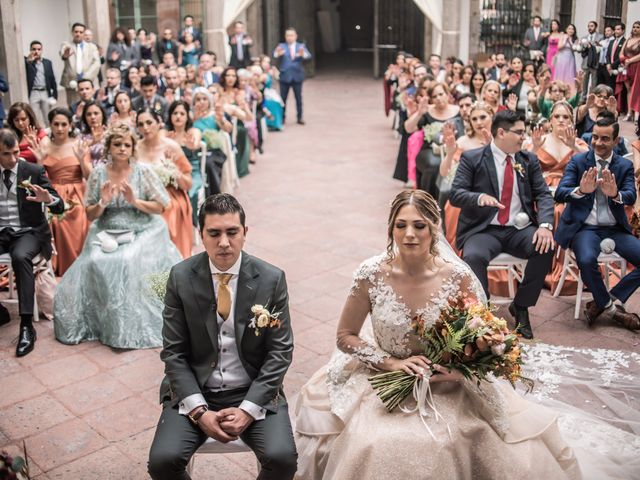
(596, 186)
(291, 54)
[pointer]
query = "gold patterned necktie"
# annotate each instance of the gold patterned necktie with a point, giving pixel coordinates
(224, 294)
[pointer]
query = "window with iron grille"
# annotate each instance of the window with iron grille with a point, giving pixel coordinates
(612, 12)
(566, 13)
(502, 26)
(136, 14)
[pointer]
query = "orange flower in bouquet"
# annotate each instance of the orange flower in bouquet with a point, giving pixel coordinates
(466, 337)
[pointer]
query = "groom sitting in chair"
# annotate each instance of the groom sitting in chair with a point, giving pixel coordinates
(596, 186)
(505, 207)
(224, 359)
(24, 229)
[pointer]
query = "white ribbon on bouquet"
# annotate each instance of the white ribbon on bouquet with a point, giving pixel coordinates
(423, 396)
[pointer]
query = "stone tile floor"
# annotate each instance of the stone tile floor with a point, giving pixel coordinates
(316, 206)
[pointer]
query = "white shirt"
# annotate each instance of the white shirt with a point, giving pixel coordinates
(592, 219)
(79, 65)
(500, 160)
(229, 373)
(536, 32)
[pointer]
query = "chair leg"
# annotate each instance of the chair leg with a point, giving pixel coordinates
(510, 277)
(12, 287)
(623, 268)
(576, 313)
(606, 274)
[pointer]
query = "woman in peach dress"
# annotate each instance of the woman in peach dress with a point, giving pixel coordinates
(174, 171)
(554, 150)
(479, 135)
(67, 173)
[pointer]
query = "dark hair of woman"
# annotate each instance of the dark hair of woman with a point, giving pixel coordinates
(85, 110)
(15, 110)
(172, 108)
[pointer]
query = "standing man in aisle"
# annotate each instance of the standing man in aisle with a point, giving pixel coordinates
(291, 54)
(81, 62)
(41, 82)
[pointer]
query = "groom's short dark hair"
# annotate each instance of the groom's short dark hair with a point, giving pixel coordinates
(505, 120)
(220, 204)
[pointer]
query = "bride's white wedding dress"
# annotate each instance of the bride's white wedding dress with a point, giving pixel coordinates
(343, 430)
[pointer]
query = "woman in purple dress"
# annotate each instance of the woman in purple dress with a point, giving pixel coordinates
(552, 45)
(565, 60)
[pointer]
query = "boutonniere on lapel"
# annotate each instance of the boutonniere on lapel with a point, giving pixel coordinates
(518, 167)
(26, 184)
(263, 318)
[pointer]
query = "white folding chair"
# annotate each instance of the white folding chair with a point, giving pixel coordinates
(570, 268)
(5, 259)
(212, 446)
(514, 267)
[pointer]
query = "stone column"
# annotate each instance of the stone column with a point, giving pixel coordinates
(214, 29)
(255, 28)
(11, 58)
(97, 17)
(451, 29)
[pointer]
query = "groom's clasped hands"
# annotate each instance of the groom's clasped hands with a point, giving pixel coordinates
(225, 425)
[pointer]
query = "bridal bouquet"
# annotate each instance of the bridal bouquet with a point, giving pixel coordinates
(167, 172)
(466, 337)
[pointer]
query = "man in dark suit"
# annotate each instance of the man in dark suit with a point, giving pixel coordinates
(224, 369)
(240, 44)
(596, 186)
(505, 207)
(24, 229)
(41, 82)
(167, 44)
(613, 55)
(291, 54)
(535, 39)
(107, 94)
(150, 98)
(189, 28)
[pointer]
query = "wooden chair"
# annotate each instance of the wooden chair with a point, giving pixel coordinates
(212, 446)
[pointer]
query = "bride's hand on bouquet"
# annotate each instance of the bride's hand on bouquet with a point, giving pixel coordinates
(209, 423)
(234, 420)
(416, 365)
(443, 374)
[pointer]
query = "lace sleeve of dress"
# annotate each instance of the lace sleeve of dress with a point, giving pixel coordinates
(354, 313)
(94, 182)
(151, 186)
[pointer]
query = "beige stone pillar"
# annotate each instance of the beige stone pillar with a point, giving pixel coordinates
(11, 57)
(451, 29)
(214, 29)
(97, 17)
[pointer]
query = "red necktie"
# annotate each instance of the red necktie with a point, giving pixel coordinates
(507, 192)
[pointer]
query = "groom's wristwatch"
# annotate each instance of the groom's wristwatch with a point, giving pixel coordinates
(198, 413)
(548, 226)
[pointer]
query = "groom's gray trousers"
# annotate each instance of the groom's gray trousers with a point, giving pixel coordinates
(177, 439)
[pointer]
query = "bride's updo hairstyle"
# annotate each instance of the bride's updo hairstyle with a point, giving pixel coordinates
(426, 205)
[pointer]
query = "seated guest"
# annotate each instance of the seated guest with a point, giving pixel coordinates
(168, 160)
(601, 98)
(596, 186)
(150, 98)
(105, 295)
(123, 111)
(24, 230)
(68, 165)
(180, 128)
(107, 94)
(494, 185)
(86, 92)
(22, 120)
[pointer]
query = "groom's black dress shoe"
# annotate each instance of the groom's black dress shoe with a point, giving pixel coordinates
(4, 315)
(523, 327)
(26, 340)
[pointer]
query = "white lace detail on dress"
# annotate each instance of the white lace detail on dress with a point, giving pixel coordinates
(390, 334)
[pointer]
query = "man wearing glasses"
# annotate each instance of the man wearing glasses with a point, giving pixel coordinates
(506, 207)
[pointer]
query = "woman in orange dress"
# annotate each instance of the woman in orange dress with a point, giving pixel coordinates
(554, 150)
(174, 171)
(480, 117)
(67, 169)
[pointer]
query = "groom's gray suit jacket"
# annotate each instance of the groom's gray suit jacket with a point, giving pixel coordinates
(190, 330)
